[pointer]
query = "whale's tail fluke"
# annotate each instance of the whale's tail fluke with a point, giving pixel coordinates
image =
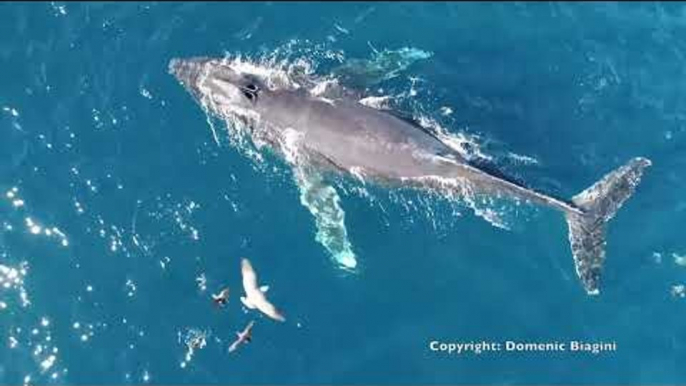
(599, 203)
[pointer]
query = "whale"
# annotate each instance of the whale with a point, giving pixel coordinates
(335, 133)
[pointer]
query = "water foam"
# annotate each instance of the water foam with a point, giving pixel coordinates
(460, 189)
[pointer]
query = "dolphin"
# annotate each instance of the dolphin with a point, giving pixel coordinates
(340, 135)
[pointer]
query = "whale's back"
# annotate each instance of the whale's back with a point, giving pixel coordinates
(356, 136)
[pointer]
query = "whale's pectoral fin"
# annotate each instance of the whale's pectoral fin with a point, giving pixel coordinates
(322, 201)
(599, 203)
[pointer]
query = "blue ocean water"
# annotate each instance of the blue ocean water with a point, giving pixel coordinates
(120, 214)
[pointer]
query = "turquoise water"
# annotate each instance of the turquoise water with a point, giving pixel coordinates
(120, 213)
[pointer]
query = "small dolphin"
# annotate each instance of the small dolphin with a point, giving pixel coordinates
(244, 336)
(254, 296)
(221, 298)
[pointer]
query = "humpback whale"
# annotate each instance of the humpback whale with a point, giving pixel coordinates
(340, 135)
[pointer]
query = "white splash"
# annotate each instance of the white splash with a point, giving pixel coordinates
(47, 363)
(32, 226)
(657, 257)
(323, 87)
(11, 110)
(290, 142)
(376, 102)
(193, 339)
(60, 9)
(460, 189)
(341, 29)
(467, 145)
(13, 342)
(523, 159)
(445, 111)
(202, 282)
(273, 72)
(145, 93)
(679, 259)
(12, 278)
(327, 100)
(130, 288)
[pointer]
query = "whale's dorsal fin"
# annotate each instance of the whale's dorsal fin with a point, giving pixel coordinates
(493, 169)
(406, 117)
(479, 163)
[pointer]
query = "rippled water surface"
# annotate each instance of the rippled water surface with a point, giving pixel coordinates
(124, 206)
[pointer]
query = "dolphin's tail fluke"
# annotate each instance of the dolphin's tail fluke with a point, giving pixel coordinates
(599, 203)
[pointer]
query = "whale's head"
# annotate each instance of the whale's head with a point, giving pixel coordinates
(218, 87)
